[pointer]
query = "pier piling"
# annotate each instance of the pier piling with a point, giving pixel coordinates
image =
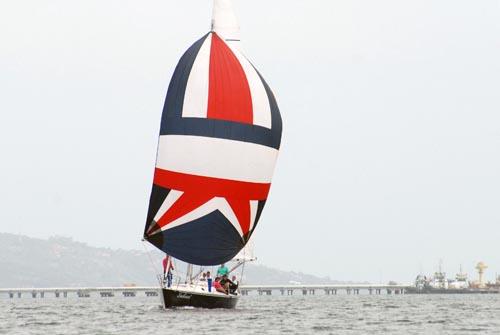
(128, 294)
(107, 294)
(83, 294)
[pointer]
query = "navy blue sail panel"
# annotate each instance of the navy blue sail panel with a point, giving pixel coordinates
(174, 101)
(277, 122)
(224, 129)
(207, 241)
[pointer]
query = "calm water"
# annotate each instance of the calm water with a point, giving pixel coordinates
(257, 315)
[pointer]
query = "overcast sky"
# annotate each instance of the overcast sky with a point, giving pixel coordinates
(391, 152)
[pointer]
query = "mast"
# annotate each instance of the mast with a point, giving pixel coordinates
(225, 22)
(189, 274)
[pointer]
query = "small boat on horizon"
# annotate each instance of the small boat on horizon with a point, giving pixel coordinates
(219, 140)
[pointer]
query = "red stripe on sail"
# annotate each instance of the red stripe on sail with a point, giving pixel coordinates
(223, 188)
(241, 209)
(229, 96)
(198, 190)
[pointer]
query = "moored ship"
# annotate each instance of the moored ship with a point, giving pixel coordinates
(439, 284)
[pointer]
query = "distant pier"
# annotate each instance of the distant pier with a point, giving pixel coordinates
(130, 292)
(327, 289)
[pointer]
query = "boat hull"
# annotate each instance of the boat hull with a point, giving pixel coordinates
(176, 298)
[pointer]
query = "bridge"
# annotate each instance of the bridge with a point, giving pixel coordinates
(81, 292)
(327, 289)
(153, 291)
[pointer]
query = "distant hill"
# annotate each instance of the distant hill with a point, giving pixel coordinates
(63, 262)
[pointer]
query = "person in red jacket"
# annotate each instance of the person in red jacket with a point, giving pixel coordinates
(168, 267)
(218, 287)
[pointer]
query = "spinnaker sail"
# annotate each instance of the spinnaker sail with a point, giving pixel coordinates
(219, 140)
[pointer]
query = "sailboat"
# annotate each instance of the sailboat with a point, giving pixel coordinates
(219, 140)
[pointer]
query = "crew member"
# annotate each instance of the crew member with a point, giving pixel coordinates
(222, 270)
(168, 267)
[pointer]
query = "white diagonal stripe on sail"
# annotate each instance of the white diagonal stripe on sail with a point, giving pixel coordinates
(260, 100)
(217, 158)
(254, 205)
(196, 97)
(171, 198)
(211, 206)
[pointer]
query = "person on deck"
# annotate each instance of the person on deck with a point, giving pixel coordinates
(168, 267)
(222, 270)
(218, 286)
(228, 284)
(209, 281)
(235, 284)
(203, 277)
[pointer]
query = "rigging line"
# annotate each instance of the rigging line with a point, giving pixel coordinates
(196, 278)
(175, 271)
(158, 274)
(199, 273)
(175, 266)
(241, 276)
(179, 274)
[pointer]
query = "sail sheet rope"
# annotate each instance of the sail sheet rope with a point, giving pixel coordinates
(154, 268)
(157, 270)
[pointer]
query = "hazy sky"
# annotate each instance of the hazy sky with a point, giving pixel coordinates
(391, 152)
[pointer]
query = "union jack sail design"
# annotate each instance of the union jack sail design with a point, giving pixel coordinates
(219, 141)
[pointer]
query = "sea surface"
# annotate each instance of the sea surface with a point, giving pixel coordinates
(319, 314)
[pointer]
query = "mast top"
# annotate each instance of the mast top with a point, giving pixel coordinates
(224, 21)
